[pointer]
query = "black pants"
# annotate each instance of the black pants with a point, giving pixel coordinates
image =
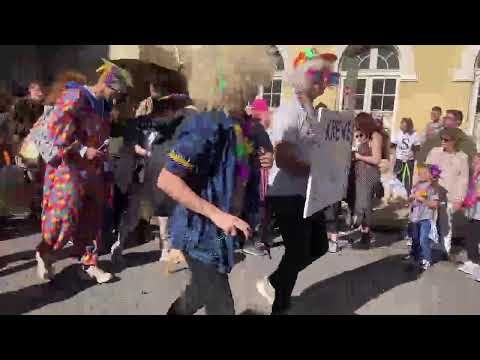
(305, 241)
(330, 215)
(472, 241)
(407, 182)
(207, 287)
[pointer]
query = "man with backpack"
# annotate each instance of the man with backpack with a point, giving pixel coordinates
(76, 174)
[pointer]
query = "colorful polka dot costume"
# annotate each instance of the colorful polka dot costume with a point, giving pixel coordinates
(73, 191)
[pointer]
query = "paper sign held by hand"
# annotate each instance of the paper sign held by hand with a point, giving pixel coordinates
(330, 159)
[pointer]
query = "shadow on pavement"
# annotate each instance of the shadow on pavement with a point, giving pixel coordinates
(11, 270)
(349, 291)
(18, 227)
(19, 256)
(65, 285)
(24, 256)
(135, 259)
(382, 239)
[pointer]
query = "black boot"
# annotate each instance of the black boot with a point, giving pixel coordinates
(366, 239)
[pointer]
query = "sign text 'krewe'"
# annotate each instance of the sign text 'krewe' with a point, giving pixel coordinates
(330, 159)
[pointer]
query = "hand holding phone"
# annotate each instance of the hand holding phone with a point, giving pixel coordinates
(104, 145)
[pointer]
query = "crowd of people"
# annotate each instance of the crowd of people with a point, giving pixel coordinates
(224, 176)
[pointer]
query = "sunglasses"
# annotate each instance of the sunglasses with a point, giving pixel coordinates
(445, 139)
(359, 136)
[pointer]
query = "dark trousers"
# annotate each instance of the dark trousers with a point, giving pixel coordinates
(305, 241)
(207, 287)
(472, 241)
(399, 170)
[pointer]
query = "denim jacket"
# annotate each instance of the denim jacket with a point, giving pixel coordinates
(204, 157)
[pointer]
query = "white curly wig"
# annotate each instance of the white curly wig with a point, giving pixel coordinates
(243, 69)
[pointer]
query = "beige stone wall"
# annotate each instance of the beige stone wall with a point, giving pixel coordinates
(117, 52)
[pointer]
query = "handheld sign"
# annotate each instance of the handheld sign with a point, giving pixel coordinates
(330, 159)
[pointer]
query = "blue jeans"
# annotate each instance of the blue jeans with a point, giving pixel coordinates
(421, 240)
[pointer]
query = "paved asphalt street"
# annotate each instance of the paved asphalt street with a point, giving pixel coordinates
(353, 281)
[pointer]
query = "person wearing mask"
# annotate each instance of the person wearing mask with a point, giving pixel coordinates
(406, 143)
(434, 126)
(75, 175)
(453, 181)
(305, 240)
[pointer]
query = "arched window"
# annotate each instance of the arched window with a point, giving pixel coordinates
(377, 84)
(273, 92)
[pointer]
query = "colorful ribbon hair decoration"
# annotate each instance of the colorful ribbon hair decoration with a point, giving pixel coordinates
(114, 76)
(320, 70)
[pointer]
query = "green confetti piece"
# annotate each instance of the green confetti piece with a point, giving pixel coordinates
(309, 53)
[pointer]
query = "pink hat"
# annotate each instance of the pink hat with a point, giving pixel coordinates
(259, 105)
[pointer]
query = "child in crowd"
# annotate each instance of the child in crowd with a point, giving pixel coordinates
(424, 202)
(406, 143)
(472, 211)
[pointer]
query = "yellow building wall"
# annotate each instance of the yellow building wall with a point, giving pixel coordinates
(434, 66)
(117, 52)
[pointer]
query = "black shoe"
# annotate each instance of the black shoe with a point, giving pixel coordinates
(366, 238)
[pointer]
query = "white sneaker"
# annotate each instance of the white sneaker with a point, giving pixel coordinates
(476, 272)
(332, 246)
(164, 256)
(468, 268)
(425, 264)
(94, 272)
(266, 289)
(45, 270)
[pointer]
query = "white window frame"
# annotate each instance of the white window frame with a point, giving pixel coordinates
(278, 75)
(474, 117)
(369, 76)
